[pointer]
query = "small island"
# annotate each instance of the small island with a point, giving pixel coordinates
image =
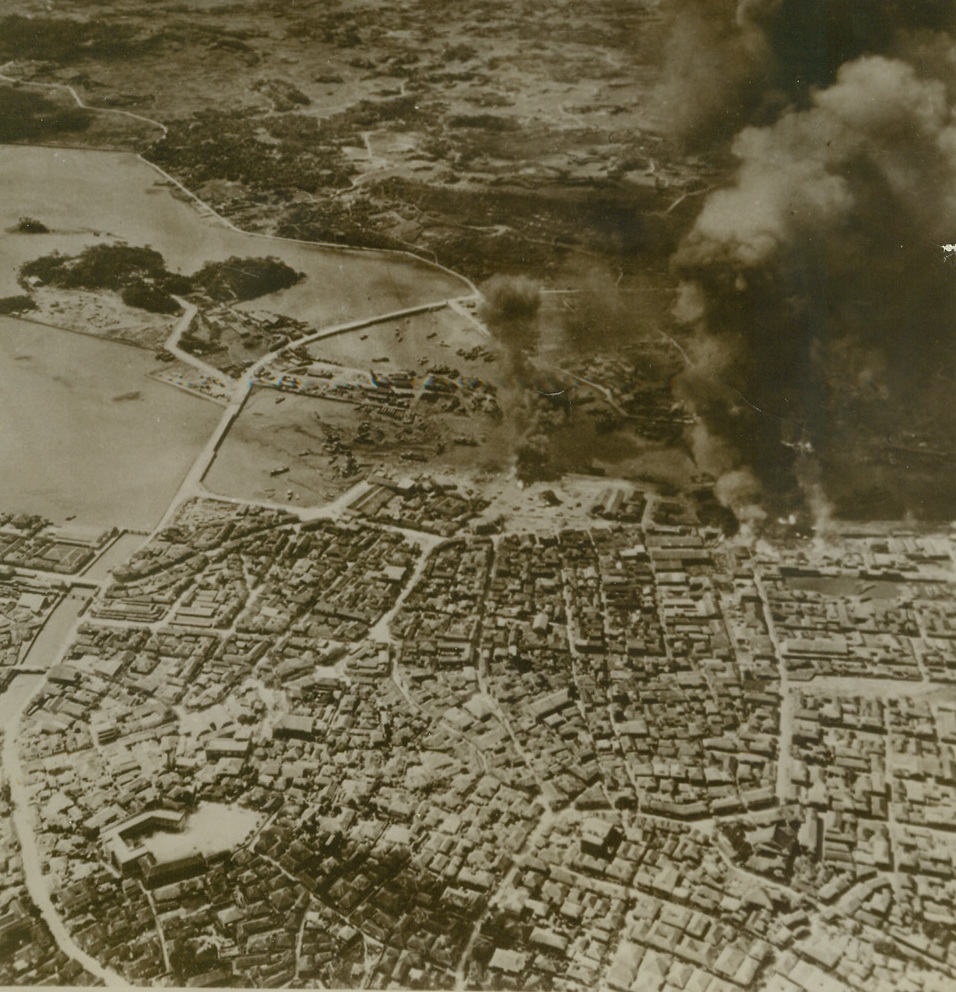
(140, 277)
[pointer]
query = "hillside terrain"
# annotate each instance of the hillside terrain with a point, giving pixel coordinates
(510, 135)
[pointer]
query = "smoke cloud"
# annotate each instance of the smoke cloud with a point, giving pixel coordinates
(740, 491)
(509, 307)
(823, 310)
(728, 63)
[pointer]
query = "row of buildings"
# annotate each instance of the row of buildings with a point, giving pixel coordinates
(559, 761)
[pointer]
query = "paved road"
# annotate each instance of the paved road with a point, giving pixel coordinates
(172, 343)
(22, 811)
(787, 701)
(192, 483)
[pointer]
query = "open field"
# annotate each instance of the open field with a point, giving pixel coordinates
(209, 830)
(437, 337)
(103, 314)
(316, 450)
(269, 436)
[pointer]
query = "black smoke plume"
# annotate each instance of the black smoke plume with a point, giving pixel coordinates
(509, 307)
(823, 303)
(729, 63)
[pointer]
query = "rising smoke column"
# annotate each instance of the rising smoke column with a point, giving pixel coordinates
(717, 63)
(815, 281)
(731, 63)
(509, 307)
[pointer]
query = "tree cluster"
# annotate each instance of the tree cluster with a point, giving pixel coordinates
(141, 278)
(213, 145)
(30, 225)
(27, 115)
(16, 304)
(244, 278)
(63, 39)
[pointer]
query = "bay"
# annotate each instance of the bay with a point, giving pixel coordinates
(86, 433)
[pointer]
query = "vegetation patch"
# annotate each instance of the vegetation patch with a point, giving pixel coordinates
(16, 304)
(244, 278)
(30, 225)
(29, 116)
(64, 39)
(217, 144)
(141, 278)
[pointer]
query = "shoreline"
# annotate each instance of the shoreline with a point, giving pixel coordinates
(328, 245)
(86, 334)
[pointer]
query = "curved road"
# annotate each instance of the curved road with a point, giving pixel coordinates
(23, 814)
(172, 343)
(191, 484)
(36, 882)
